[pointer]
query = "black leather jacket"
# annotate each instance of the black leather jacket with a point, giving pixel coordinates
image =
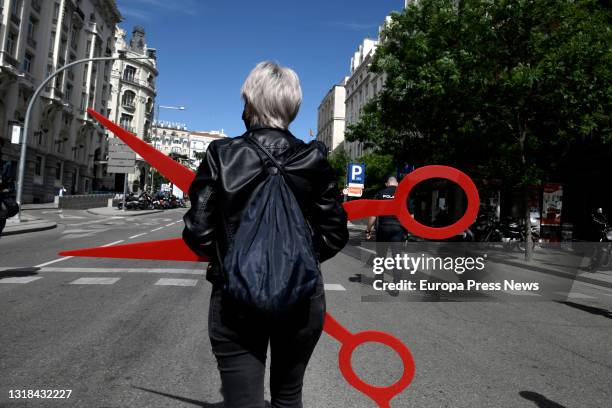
(233, 170)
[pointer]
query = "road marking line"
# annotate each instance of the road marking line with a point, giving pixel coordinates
(156, 229)
(113, 243)
(137, 235)
(88, 222)
(20, 279)
(176, 282)
(52, 262)
(94, 281)
(167, 225)
(62, 216)
(367, 250)
(177, 271)
(334, 286)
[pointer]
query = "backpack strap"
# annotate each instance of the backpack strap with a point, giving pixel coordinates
(281, 169)
(276, 163)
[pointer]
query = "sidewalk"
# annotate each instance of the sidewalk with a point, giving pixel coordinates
(27, 224)
(113, 211)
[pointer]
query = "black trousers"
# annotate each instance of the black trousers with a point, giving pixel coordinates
(389, 239)
(240, 342)
(2, 224)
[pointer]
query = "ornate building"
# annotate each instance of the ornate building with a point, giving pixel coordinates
(132, 98)
(37, 37)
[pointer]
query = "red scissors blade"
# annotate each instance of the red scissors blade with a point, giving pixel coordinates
(173, 249)
(366, 208)
(178, 174)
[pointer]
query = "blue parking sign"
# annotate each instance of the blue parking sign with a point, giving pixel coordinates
(356, 174)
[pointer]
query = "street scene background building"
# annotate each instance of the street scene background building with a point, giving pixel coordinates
(36, 38)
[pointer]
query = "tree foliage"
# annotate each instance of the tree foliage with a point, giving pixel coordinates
(499, 88)
(502, 89)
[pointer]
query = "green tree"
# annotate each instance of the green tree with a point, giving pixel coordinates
(338, 161)
(501, 89)
(378, 169)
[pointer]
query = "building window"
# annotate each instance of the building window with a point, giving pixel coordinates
(16, 7)
(32, 29)
(52, 42)
(83, 100)
(85, 69)
(88, 48)
(27, 62)
(128, 98)
(68, 92)
(56, 12)
(74, 40)
(58, 171)
(129, 73)
(11, 42)
(38, 167)
(126, 121)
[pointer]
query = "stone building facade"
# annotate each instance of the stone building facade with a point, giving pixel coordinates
(65, 146)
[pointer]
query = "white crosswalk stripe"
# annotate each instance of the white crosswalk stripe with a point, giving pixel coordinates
(94, 281)
(334, 286)
(20, 279)
(176, 282)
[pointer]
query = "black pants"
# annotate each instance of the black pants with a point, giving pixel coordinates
(389, 239)
(2, 224)
(240, 342)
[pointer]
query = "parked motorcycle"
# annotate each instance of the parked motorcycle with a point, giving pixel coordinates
(487, 229)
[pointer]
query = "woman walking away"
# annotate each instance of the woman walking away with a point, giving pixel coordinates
(265, 210)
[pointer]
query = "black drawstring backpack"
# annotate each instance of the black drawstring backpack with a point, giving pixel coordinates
(270, 265)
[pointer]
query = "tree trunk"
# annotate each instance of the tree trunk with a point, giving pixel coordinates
(528, 237)
(522, 131)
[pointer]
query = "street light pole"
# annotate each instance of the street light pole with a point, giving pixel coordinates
(26, 124)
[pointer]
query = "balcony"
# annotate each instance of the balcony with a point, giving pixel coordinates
(131, 79)
(131, 107)
(129, 128)
(11, 61)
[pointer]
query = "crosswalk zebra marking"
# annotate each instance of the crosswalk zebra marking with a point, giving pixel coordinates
(334, 286)
(176, 282)
(94, 281)
(20, 279)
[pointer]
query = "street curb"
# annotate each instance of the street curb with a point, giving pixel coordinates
(41, 227)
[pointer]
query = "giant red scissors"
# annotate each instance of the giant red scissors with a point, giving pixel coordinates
(176, 250)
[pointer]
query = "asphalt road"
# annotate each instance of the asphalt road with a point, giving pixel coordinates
(136, 335)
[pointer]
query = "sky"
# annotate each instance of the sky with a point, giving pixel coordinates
(206, 49)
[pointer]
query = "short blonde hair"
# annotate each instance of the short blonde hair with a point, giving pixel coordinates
(273, 94)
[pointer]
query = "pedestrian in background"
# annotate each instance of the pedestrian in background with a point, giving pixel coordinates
(8, 205)
(228, 186)
(389, 231)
